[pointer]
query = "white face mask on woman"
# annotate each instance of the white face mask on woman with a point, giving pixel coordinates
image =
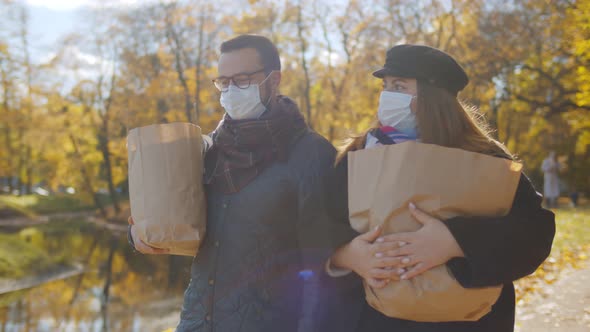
(394, 111)
(243, 104)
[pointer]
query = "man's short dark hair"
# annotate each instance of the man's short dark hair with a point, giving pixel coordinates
(267, 51)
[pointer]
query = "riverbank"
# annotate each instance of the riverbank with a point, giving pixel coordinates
(25, 260)
(25, 236)
(118, 289)
(32, 209)
(35, 205)
(55, 272)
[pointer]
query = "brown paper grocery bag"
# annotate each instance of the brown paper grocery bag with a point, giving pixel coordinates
(445, 183)
(166, 186)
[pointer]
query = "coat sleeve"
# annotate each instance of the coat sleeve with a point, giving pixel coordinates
(319, 234)
(130, 238)
(337, 208)
(499, 250)
(320, 230)
(337, 192)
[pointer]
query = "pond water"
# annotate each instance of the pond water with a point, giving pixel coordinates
(119, 290)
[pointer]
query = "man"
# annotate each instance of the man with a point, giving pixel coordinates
(268, 235)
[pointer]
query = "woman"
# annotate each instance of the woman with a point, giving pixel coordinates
(419, 102)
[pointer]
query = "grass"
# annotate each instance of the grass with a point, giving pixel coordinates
(573, 231)
(70, 226)
(19, 258)
(47, 204)
(10, 209)
(570, 251)
(32, 205)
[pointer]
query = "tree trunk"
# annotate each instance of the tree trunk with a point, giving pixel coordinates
(176, 46)
(86, 178)
(24, 18)
(106, 155)
(21, 162)
(7, 131)
(198, 68)
(29, 171)
(303, 46)
(103, 139)
(331, 133)
(10, 170)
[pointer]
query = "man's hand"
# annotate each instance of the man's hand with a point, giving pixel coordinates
(140, 245)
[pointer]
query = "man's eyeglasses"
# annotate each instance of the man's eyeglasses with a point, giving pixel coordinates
(242, 81)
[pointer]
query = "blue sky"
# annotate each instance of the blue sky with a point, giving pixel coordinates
(49, 21)
(58, 4)
(61, 5)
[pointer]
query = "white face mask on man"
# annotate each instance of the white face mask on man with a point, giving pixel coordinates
(245, 103)
(395, 111)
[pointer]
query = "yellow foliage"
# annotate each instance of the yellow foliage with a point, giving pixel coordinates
(534, 49)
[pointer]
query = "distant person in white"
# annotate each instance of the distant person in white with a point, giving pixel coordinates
(551, 186)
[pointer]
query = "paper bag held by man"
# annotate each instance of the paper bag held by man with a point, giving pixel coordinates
(166, 187)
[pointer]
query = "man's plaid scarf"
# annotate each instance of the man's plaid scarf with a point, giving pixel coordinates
(242, 149)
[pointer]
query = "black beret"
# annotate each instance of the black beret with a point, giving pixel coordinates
(424, 63)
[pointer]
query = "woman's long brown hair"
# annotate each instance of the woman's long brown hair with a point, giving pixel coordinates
(444, 121)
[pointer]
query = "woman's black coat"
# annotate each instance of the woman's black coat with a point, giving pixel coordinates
(498, 251)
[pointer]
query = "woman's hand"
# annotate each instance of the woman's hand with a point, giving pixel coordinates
(367, 258)
(141, 246)
(419, 251)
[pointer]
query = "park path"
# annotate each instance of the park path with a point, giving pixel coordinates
(562, 307)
